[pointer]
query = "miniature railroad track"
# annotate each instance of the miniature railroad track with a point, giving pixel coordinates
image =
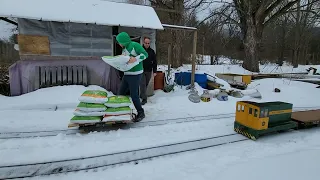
(13, 135)
(105, 160)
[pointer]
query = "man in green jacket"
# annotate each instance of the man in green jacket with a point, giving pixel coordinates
(131, 79)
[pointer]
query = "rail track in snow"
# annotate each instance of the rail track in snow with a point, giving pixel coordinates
(30, 134)
(111, 159)
(12, 135)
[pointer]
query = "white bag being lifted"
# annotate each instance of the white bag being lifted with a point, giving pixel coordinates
(120, 62)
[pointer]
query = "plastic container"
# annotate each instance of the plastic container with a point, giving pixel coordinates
(182, 78)
(159, 81)
(200, 78)
(222, 96)
(205, 97)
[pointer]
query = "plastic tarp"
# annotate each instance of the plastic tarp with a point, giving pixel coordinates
(22, 74)
(71, 39)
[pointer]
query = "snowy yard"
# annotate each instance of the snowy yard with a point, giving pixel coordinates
(285, 156)
(52, 108)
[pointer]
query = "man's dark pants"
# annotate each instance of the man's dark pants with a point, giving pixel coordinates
(146, 76)
(131, 83)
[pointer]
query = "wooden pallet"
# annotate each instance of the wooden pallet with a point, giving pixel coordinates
(306, 119)
(48, 76)
(99, 124)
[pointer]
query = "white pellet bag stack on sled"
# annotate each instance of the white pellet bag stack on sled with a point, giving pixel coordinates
(91, 108)
(96, 107)
(118, 109)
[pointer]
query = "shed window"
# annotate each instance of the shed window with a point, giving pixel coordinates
(250, 111)
(239, 107)
(255, 113)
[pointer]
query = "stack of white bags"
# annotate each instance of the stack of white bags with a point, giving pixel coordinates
(118, 109)
(95, 106)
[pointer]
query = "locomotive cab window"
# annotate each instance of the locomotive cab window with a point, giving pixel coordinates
(255, 113)
(239, 107)
(242, 108)
(262, 114)
(266, 113)
(250, 110)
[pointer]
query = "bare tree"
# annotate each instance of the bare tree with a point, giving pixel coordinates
(252, 17)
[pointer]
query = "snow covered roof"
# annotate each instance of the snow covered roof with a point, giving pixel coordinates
(83, 11)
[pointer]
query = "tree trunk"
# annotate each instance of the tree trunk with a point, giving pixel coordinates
(282, 45)
(296, 53)
(211, 59)
(251, 43)
(177, 35)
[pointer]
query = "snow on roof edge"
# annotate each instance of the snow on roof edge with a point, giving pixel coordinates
(43, 19)
(179, 27)
(97, 12)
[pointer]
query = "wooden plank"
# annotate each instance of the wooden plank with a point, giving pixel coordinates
(80, 78)
(31, 44)
(85, 76)
(59, 75)
(75, 74)
(48, 77)
(64, 75)
(37, 77)
(53, 75)
(42, 77)
(69, 75)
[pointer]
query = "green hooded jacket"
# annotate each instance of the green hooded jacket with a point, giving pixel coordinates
(134, 49)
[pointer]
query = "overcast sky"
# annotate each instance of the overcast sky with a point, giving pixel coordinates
(5, 29)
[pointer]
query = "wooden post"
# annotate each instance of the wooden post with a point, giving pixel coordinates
(194, 57)
(169, 57)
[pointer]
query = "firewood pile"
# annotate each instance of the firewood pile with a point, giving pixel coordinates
(4, 79)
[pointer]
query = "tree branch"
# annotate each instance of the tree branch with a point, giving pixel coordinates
(282, 11)
(269, 9)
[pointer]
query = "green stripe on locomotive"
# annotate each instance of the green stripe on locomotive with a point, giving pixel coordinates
(278, 112)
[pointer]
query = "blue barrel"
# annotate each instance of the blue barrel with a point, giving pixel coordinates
(201, 79)
(183, 78)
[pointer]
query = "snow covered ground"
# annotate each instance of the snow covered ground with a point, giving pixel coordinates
(52, 109)
(292, 156)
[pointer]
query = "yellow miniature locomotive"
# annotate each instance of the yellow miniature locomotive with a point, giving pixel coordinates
(254, 119)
